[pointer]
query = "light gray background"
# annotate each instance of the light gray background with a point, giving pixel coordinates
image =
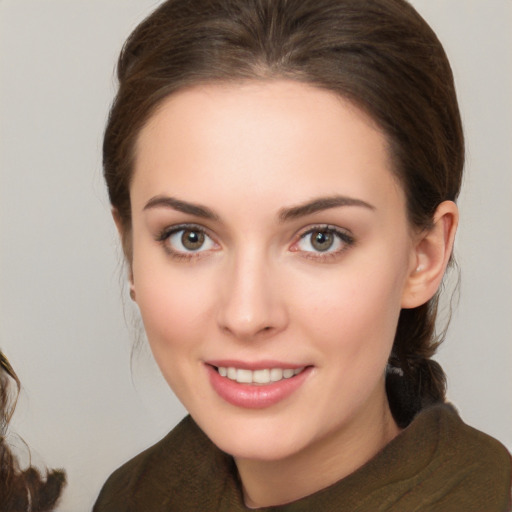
(62, 321)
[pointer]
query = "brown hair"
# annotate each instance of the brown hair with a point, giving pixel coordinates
(379, 54)
(21, 490)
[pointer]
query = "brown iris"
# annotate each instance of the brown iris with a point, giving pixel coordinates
(192, 240)
(322, 240)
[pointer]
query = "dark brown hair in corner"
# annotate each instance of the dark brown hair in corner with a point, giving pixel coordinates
(26, 490)
(388, 62)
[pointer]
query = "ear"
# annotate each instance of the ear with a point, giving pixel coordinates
(430, 256)
(126, 244)
(118, 222)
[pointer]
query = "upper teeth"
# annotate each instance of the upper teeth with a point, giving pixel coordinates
(264, 376)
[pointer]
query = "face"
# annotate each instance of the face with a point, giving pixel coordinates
(271, 251)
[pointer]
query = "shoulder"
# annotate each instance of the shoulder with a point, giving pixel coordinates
(156, 477)
(467, 444)
(470, 467)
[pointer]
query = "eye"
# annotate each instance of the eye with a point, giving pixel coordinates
(324, 239)
(186, 240)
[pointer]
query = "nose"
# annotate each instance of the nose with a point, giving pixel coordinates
(251, 301)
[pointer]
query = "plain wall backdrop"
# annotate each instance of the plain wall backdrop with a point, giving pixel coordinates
(84, 405)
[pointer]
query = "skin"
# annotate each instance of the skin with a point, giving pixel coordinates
(259, 290)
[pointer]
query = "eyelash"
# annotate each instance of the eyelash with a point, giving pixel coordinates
(164, 236)
(343, 237)
(346, 239)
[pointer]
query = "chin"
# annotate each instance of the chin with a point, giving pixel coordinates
(257, 449)
(264, 439)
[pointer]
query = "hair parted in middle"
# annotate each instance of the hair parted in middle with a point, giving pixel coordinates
(379, 54)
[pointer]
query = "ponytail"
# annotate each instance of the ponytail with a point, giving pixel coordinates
(413, 379)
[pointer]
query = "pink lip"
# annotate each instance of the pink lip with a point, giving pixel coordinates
(251, 396)
(257, 365)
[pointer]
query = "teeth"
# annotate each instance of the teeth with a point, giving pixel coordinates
(265, 376)
(244, 376)
(276, 374)
(260, 376)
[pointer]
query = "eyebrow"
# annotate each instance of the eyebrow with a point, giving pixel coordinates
(285, 214)
(181, 206)
(320, 204)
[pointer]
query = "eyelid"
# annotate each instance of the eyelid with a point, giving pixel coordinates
(163, 236)
(343, 234)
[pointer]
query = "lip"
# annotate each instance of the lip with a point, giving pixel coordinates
(251, 396)
(257, 365)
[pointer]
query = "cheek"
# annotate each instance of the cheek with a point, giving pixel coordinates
(352, 325)
(173, 313)
(354, 313)
(170, 314)
(172, 305)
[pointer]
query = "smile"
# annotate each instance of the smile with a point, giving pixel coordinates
(261, 376)
(255, 388)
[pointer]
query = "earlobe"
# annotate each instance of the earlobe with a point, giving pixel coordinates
(430, 256)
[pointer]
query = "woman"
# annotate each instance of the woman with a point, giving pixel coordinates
(283, 175)
(21, 490)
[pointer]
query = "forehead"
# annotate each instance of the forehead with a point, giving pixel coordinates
(254, 138)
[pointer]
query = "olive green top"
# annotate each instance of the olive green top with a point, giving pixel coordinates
(436, 464)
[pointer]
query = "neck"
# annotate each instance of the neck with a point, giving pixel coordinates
(322, 463)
